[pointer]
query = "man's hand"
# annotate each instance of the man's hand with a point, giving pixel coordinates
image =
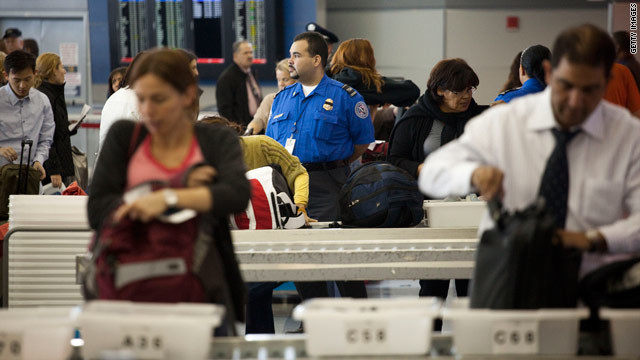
(488, 180)
(8, 153)
(200, 176)
(303, 209)
(498, 102)
(38, 166)
(144, 209)
(574, 239)
(56, 181)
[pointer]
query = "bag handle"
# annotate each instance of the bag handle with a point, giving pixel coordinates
(133, 143)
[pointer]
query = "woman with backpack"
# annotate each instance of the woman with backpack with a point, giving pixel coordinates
(204, 168)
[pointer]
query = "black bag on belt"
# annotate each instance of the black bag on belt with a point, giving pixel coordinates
(18, 179)
(521, 264)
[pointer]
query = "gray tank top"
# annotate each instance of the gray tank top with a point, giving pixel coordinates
(432, 143)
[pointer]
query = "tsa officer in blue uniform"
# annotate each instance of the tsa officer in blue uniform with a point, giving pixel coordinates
(323, 122)
(326, 124)
(531, 73)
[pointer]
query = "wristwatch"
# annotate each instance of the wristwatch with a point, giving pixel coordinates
(597, 242)
(170, 198)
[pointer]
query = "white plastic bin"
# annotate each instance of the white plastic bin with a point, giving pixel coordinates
(42, 333)
(454, 213)
(539, 332)
(625, 330)
(149, 330)
(338, 327)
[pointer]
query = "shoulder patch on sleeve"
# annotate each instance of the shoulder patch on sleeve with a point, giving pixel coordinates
(362, 111)
(349, 89)
(510, 90)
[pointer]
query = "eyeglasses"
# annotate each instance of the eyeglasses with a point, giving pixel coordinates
(469, 90)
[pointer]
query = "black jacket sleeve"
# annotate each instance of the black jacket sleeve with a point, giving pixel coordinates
(401, 147)
(224, 97)
(53, 165)
(230, 191)
(399, 93)
(110, 176)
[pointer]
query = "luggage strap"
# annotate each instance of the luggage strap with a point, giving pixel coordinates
(128, 273)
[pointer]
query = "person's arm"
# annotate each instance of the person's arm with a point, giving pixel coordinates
(52, 165)
(449, 170)
(301, 190)
(623, 236)
(45, 138)
(261, 117)
(110, 176)
(360, 126)
(231, 191)
(401, 147)
(399, 93)
(358, 150)
(224, 97)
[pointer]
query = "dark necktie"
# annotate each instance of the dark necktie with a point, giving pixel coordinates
(554, 187)
(255, 91)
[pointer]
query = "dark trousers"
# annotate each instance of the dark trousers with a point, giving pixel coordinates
(259, 308)
(440, 288)
(324, 191)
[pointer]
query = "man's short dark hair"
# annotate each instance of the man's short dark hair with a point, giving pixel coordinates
(19, 60)
(236, 45)
(585, 45)
(316, 45)
(623, 40)
(31, 46)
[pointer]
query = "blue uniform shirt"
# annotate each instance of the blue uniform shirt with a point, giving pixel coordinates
(326, 124)
(530, 86)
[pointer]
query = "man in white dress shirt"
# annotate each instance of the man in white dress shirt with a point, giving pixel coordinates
(504, 152)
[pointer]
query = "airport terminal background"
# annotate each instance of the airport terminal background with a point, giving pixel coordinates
(409, 38)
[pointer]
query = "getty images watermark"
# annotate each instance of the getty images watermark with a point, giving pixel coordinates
(633, 27)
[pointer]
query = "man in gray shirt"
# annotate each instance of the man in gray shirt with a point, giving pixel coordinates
(24, 113)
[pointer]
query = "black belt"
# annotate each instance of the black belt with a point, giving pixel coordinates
(329, 165)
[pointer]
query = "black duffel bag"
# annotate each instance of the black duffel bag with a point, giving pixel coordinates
(521, 263)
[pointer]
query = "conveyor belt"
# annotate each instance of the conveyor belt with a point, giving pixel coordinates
(292, 347)
(39, 262)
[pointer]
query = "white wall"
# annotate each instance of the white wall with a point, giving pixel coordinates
(480, 37)
(407, 43)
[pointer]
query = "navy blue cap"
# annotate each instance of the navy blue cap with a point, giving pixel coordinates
(328, 35)
(12, 32)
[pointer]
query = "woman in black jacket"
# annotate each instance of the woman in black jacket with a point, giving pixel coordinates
(354, 64)
(169, 143)
(59, 166)
(439, 117)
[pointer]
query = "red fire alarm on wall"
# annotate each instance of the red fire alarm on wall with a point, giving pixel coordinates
(513, 23)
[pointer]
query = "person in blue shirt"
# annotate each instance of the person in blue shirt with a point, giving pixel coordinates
(24, 113)
(531, 74)
(327, 125)
(323, 122)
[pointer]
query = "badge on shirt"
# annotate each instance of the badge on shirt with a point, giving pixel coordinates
(290, 144)
(328, 105)
(362, 111)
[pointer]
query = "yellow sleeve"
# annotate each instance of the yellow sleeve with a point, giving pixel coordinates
(301, 192)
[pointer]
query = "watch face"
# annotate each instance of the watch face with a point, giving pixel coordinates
(170, 198)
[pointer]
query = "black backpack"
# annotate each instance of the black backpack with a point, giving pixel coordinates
(379, 194)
